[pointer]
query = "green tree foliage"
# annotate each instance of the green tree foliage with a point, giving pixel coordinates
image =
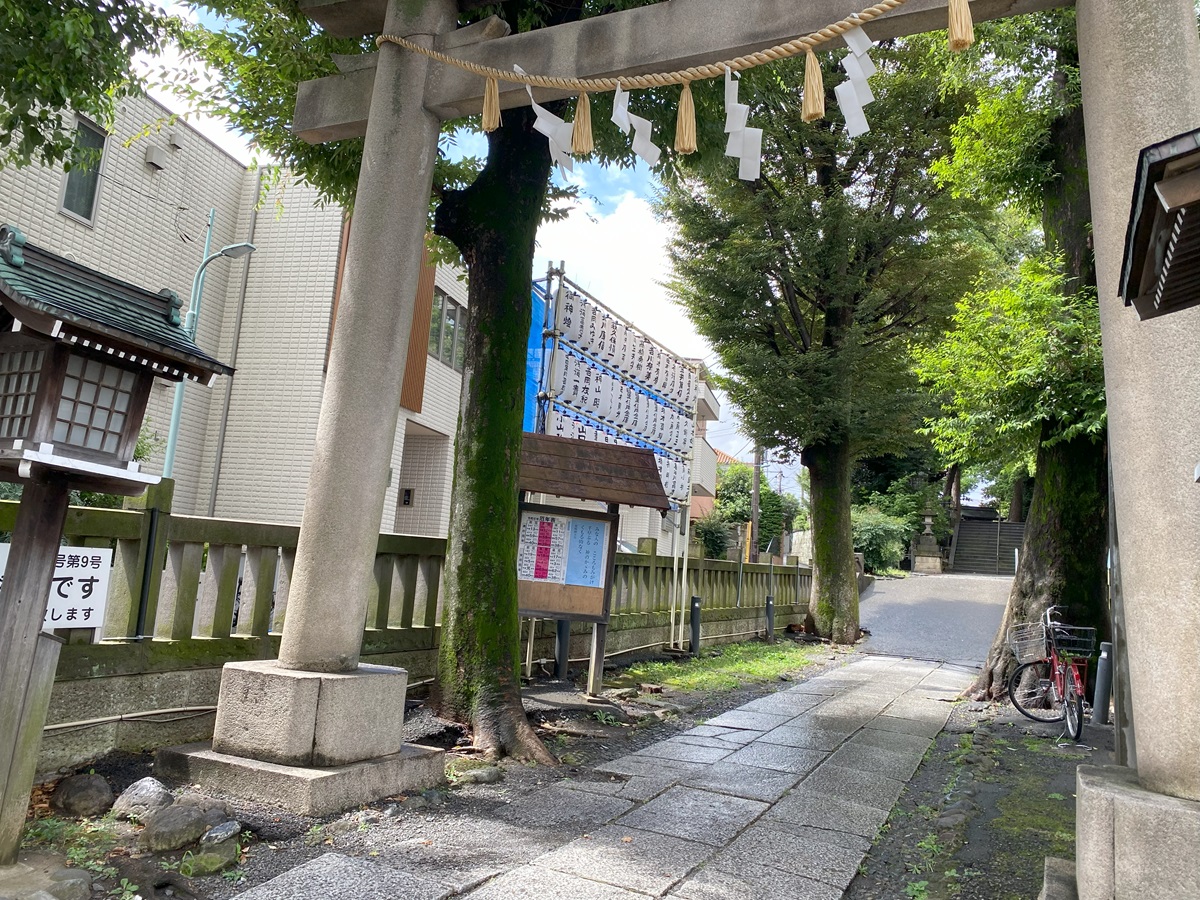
(776, 513)
(813, 282)
(712, 531)
(1020, 354)
(59, 59)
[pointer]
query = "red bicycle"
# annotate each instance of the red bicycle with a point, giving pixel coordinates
(1048, 684)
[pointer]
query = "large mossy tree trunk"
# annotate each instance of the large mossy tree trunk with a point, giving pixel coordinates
(833, 603)
(493, 223)
(1063, 558)
(1062, 562)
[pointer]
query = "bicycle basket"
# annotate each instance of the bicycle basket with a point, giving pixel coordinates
(1028, 641)
(1072, 641)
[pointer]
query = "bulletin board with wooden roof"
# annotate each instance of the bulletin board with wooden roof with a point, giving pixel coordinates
(566, 557)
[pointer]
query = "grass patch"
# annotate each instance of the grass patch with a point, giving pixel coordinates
(728, 667)
(86, 843)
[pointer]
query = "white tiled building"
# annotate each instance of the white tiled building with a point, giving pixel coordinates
(245, 445)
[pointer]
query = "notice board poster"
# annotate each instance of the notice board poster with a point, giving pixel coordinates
(563, 565)
(562, 550)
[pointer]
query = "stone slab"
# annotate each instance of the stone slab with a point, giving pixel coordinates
(630, 858)
(687, 751)
(760, 847)
(751, 721)
(738, 780)
(891, 740)
(650, 766)
(779, 757)
(807, 834)
(713, 884)
(897, 764)
(731, 735)
(806, 736)
(305, 790)
(729, 741)
(468, 846)
(928, 728)
(783, 703)
(537, 883)
(850, 784)
(818, 810)
(299, 718)
(337, 877)
(561, 806)
(696, 815)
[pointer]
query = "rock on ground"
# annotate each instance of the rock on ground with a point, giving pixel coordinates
(82, 795)
(142, 798)
(173, 828)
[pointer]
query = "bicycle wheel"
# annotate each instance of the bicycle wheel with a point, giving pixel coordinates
(1031, 689)
(1073, 706)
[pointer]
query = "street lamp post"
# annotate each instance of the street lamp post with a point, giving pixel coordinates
(233, 251)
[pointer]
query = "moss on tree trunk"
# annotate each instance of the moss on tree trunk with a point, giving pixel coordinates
(493, 223)
(833, 604)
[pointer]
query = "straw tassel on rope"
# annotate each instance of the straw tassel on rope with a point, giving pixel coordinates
(685, 122)
(491, 105)
(813, 106)
(962, 30)
(581, 134)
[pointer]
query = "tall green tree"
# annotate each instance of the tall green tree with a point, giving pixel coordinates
(62, 59)
(813, 281)
(1024, 146)
(776, 512)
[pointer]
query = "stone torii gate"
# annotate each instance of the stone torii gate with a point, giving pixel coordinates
(1140, 64)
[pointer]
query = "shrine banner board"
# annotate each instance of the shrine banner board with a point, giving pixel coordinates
(565, 563)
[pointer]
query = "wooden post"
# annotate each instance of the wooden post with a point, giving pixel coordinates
(27, 662)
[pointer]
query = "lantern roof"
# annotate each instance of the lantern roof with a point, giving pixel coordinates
(62, 299)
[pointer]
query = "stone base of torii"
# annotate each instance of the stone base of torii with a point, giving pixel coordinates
(1138, 826)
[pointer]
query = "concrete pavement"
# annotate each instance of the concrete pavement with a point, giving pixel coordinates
(944, 617)
(779, 797)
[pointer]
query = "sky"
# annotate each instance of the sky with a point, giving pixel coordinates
(611, 244)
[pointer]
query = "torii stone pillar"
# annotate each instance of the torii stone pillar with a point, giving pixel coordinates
(1139, 831)
(317, 706)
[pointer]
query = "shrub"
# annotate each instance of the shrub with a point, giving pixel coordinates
(712, 531)
(880, 538)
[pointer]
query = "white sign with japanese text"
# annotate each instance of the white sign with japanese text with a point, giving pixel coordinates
(79, 590)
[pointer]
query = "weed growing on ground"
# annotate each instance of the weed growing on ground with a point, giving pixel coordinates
(86, 843)
(917, 890)
(729, 667)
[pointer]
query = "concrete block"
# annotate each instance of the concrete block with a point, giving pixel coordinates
(267, 713)
(1133, 842)
(360, 715)
(297, 718)
(1059, 880)
(308, 791)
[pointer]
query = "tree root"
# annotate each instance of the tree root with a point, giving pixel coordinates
(506, 732)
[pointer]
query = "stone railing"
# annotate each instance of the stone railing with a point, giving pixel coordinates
(188, 594)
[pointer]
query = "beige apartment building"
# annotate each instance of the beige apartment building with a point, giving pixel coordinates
(245, 444)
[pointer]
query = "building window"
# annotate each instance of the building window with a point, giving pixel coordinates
(447, 331)
(82, 183)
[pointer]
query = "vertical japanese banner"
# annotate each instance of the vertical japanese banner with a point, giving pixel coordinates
(79, 590)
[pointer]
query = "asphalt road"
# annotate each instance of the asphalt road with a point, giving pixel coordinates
(951, 618)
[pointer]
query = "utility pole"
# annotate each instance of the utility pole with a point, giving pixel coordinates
(754, 479)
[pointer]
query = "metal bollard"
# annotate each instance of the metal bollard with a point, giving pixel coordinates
(1103, 685)
(695, 648)
(770, 619)
(562, 644)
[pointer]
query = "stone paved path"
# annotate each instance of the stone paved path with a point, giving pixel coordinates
(778, 798)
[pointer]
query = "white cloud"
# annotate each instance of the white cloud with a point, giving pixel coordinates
(621, 259)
